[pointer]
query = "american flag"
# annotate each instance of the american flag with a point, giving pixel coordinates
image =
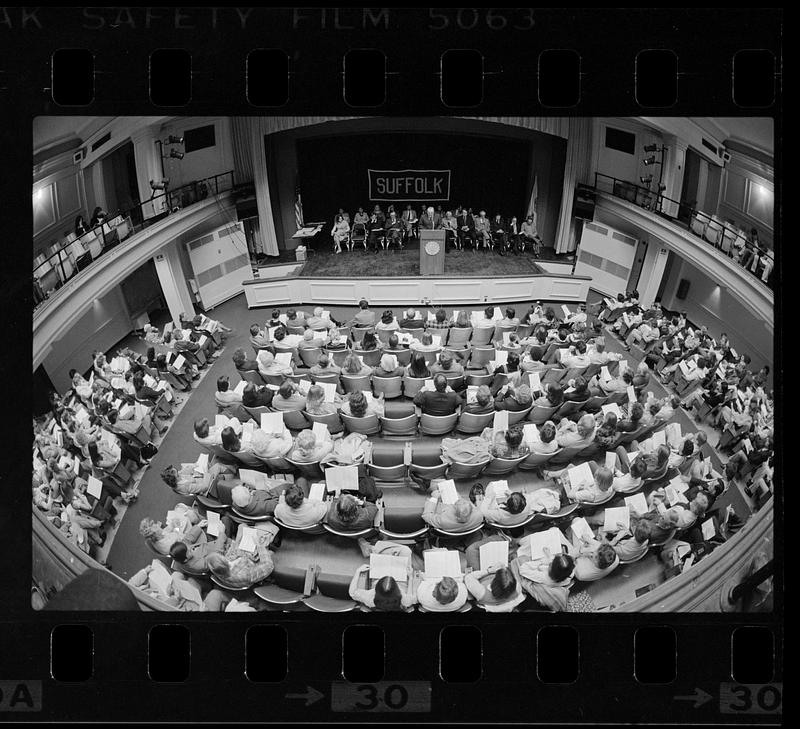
(298, 204)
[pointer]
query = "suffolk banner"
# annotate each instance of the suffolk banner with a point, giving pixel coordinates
(401, 185)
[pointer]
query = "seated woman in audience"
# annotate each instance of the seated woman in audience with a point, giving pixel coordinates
(238, 568)
(546, 443)
(509, 444)
(609, 387)
(513, 510)
(267, 366)
(513, 398)
(371, 341)
(295, 510)
(631, 545)
(325, 366)
(418, 367)
(641, 377)
(307, 449)
(547, 579)
(495, 588)
(484, 403)
(662, 526)
(633, 422)
(217, 482)
(315, 402)
(358, 407)
(509, 373)
(104, 460)
(354, 367)
(441, 596)
(606, 435)
(225, 397)
(231, 441)
(595, 561)
(214, 601)
(597, 492)
(629, 481)
(389, 367)
(580, 390)
(257, 396)
(387, 322)
(425, 344)
(552, 398)
(82, 530)
(387, 595)
(288, 397)
(462, 320)
(195, 556)
(336, 341)
(189, 531)
(82, 505)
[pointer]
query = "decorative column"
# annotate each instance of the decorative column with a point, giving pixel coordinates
(672, 177)
(173, 282)
(655, 261)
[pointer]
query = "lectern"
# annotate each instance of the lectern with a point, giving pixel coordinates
(431, 252)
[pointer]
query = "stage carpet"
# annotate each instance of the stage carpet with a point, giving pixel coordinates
(406, 263)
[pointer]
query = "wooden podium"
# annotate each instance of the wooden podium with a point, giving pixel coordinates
(431, 252)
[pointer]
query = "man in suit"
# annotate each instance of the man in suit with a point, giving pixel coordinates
(483, 230)
(499, 234)
(350, 514)
(430, 220)
(394, 230)
(410, 221)
(364, 317)
(259, 339)
(375, 226)
(465, 225)
(438, 402)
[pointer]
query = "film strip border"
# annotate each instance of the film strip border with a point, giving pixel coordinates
(541, 672)
(422, 60)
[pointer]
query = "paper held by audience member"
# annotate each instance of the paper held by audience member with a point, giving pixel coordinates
(612, 407)
(507, 338)
(472, 394)
(611, 460)
(708, 528)
(536, 382)
(679, 484)
(272, 423)
(500, 357)
(442, 563)
(498, 488)
(500, 422)
(659, 438)
(447, 491)
(493, 553)
(338, 478)
(388, 565)
(549, 540)
(160, 577)
(201, 466)
(580, 476)
(631, 394)
(567, 312)
(497, 315)
(580, 529)
(239, 389)
(330, 390)
(95, 487)
(637, 504)
(622, 366)
(530, 433)
(321, 432)
(284, 359)
(317, 492)
(674, 496)
(249, 477)
(214, 526)
(179, 362)
(249, 540)
(615, 516)
(605, 375)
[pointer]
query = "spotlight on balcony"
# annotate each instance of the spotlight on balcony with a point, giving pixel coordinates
(175, 154)
(178, 140)
(162, 184)
(646, 180)
(651, 148)
(651, 160)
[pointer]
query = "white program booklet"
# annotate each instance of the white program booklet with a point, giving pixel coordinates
(616, 516)
(549, 539)
(637, 504)
(500, 422)
(338, 478)
(447, 491)
(494, 553)
(272, 423)
(580, 476)
(442, 563)
(388, 565)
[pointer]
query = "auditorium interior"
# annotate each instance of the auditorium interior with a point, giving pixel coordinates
(549, 344)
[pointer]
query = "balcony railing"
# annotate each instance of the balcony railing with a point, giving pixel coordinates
(63, 260)
(708, 228)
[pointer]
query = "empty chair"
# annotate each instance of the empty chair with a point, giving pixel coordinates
(426, 460)
(437, 424)
(478, 379)
(480, 355)
(500, 466)
(540, 414)
(517, 416)
(471, 423)
(458, 337)
(370, 357)
(351, 383)
(481, 336)
(442, 534)
(368, 425)
(466, 471)
(386, 461)
(402, 523)
(402, 426)
(309, 356)
(241, 518)
(332, 595)
(391, 387)
(535, 461)
(286, 587)
(455, 382)
(255, 413)
(403, 356)
(311, 470)
(332, 420)
(412, 385)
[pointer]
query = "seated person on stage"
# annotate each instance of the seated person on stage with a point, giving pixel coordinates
(465, 225)
(394, 230)
(438, 402)
(288, 398)
(295, 510)
(462, 516)
(425, 343)
(257, 502)
(499, 234)
(512, 509)
(450, 226)
(241, 362)
(341, 214)
(447, 365)
(315, 402)
(412, 319)
(325, 366)
(268, 367)
(483, 230)
(529, 235)
(364, 317)
(350, 514)
(257, 396)
(360, 217)
(513, 398)
(238, 568)
(307, 449)
(354, 367)
(443, 595)
(340, 233)
(318, 323)
(387, 322)
(375, 226)
(514, 240)
(484, 403)
(409, 219)
(224, 396)
(509, 444)
(357, 406)
(389, 367)
(576, 435)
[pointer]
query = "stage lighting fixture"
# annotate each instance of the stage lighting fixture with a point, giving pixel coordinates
(646, 180)
(159, 184)
(174, 140)
(175, 154)
(651, 148)
(651, 160)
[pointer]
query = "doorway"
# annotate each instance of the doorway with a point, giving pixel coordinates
(120, 181)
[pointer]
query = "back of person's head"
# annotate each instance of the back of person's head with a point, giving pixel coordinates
(510, 312)
(201, 427)
(230, 441)
(323, 361)
(440, 383)
(445, 591)
(514, 436)
(363, 304)
(291, 313)
(352, 364)
(561, 568)
(387, 317)
(462, 510)
(294, 496)
(627, 377)
(419, 366)
(489, 312)
(446, 360)
(555, 394)
(306, 441)
(427, 339)
(547, 432)
(563, 333)
(72, 374)
(699, 504)
(512, 363)
(580, 346)
(218, 565)
(523, 395)
(279, 334)
(394, 341)
(604, 478)
(387, 594)
(580, 384)
(286, 389)
(358, 404)
(315, 395)
(731, 470)
(149, 529)
(254, 330)
(701, 363)
(347, 508)
(483, 396)
(515, 503)
(238, 357)
(223, 383)
(605, 556)
(308, 335)
(586, 425)
(504, 584)
(662, 455)
(701, 438)
(441, 315)
(249, 392)
(275, 314)
(240, 496)
(370, 341)
(637, 411)
(687, 449)
(642, 531)
(540, 333)
(638, 468)
(179, 552)
(169, 475)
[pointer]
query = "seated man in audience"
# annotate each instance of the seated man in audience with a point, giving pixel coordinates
(295, 319)
(580, 434)
(462, 516)
(358, 406)
(441, 596)
(595, 560)
(258, 502)
(425, 343)
(295, 510)
(241, 362)
(257, 396)
(268, 367)
(630, 544)
(575, 357)
(310, 342)
(412, 319)
(317, 321)
(513, 398)
(183, 346)
(620, 383)
(194, 557)
(487, 321)
(238, 568)
(307, 449)
(642, 335)
(364, 317)
(440, 321)
(626, 483)
(325, 366)
(510, 319)
(206, 435)
(599, 355)
(288, 397)
(597, 492)
(484, 402)
(350, 514)
(225, 397)
(447, 365)
(439, 401)
(509, 510)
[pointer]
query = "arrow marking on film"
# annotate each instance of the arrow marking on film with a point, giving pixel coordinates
(311, 695)
(699, 697)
